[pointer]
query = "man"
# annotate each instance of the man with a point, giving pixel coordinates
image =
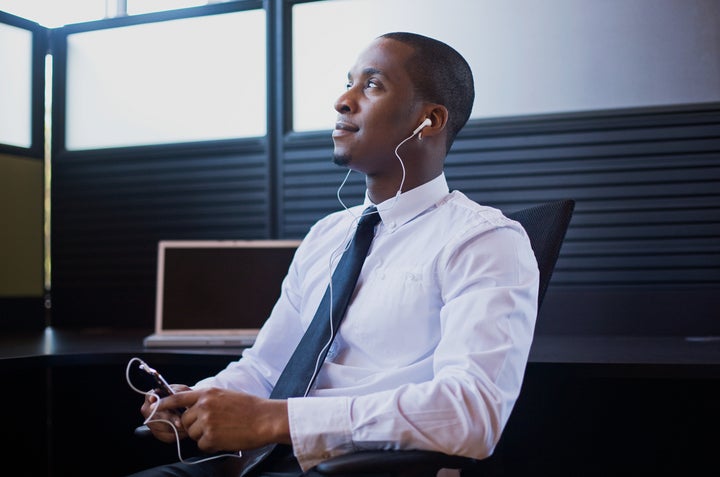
(433, 346)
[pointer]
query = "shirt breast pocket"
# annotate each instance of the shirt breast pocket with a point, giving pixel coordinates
(401, 303)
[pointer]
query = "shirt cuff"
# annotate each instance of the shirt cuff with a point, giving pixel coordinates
(319, 428)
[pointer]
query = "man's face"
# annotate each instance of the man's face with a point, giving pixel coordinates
(377, 111)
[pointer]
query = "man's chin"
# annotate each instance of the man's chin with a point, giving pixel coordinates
(341, 159)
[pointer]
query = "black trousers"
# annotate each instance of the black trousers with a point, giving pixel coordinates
(229, 466)
(226, 466)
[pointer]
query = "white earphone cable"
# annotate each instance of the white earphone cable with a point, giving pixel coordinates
(150, 419)
(334, 255)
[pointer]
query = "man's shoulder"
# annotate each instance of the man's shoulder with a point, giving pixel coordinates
(460, 203)
(470, 218)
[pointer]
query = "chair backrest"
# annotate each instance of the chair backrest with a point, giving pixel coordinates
(546, 225)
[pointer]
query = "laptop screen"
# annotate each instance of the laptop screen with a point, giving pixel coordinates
(219, 285)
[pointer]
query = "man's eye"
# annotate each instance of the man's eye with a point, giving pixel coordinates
(369, 84)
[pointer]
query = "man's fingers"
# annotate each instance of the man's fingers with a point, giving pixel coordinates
(179, 400)
(162, 431)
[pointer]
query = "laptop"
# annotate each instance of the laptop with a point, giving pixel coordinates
(216, 293)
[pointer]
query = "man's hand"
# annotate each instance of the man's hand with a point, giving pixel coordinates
(222, 420)
(161, 430)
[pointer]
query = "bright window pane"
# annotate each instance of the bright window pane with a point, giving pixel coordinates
(528, 56)
(146, 6)
(55, 13)
(184, 80)
(15, 93)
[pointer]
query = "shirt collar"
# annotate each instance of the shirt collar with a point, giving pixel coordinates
(398, 210)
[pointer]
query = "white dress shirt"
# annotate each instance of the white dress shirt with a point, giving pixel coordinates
(433, 347)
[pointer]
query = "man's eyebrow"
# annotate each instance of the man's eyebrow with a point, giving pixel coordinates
(369, 71)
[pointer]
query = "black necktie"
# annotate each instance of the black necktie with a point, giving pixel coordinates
(300, 371)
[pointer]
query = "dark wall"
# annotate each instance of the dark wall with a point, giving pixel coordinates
(642, 254)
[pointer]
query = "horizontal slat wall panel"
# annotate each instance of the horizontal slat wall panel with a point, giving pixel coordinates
(647, 217)
(646, 225)
(109, 213)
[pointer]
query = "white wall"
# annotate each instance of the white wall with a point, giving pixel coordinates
(528, 56)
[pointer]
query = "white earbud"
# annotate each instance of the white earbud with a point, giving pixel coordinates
(426, 122)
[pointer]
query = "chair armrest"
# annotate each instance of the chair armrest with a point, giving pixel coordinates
(413, 462)
(188, 447)
(143, 432)
(425, 462)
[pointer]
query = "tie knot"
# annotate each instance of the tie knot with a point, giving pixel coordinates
(369, 218)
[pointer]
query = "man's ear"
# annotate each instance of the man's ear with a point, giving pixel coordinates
(438, 116)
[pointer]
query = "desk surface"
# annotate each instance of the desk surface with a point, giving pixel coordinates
(700, 354)
(54, 342)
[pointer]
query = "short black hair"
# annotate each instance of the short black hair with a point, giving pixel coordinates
(440, 75)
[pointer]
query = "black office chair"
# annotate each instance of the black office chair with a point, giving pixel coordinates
(546, 225)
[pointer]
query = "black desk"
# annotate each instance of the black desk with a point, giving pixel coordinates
(60, 345)
(618, 356)
(589, 406)
(701, 352)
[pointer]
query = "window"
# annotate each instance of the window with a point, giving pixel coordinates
(54, 13)
(16, 91)
(145, 6)
(191, 79)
